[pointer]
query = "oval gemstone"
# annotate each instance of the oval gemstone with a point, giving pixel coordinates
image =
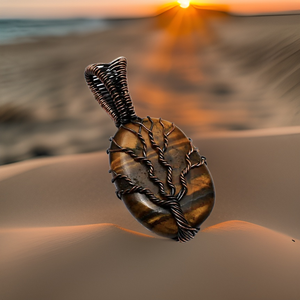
(152, 158)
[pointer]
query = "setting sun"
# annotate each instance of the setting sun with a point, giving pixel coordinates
(184, 3)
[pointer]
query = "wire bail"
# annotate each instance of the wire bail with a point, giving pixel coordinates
(108, 83)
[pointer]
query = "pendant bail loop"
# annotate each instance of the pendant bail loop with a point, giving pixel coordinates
(108, 83)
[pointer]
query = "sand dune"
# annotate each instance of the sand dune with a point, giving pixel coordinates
(256, 180)
(20, 243)
(231, 260)
(64, 234)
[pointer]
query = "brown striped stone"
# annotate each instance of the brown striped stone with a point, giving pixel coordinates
(198, 201)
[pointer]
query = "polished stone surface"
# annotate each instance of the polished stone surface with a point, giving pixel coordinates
(199, 199)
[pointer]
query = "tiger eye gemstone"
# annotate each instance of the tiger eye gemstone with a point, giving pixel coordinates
(133, 141)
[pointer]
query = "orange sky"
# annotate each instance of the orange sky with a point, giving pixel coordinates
(100, 8)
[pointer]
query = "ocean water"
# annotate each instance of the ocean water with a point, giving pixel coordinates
(18, 30)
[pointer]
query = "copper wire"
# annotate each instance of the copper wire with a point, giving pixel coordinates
(108, 83)
(169, 201)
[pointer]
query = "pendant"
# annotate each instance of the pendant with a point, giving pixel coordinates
(158, 173)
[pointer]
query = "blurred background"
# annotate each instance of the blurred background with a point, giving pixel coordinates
(207, 67)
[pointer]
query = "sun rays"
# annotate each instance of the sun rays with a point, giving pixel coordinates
(184, 3)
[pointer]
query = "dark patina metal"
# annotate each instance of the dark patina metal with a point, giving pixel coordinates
(158, 173)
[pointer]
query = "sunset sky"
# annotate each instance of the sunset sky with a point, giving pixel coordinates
(104, 8)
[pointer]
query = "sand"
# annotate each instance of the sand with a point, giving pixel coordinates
(63, 232)
(218, 73)
(66, 236)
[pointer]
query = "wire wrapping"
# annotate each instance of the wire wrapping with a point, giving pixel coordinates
(169, 201)
(108, 83)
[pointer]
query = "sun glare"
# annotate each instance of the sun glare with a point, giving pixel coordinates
(184, 3)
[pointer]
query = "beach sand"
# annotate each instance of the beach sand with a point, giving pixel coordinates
(63, 232)
(221, 73)
(66, 236)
